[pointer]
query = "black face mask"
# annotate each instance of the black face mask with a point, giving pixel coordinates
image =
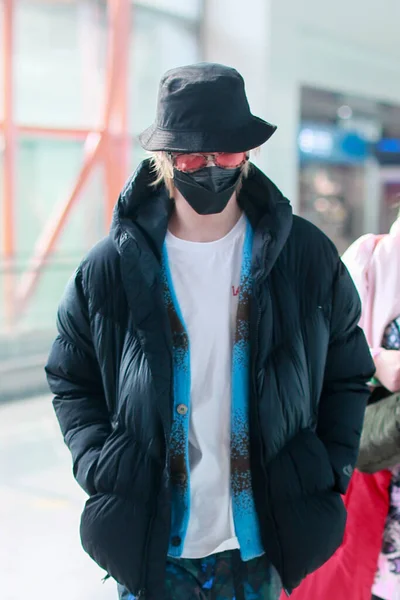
(207, 190)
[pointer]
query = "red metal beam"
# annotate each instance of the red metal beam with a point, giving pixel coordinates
(52, 132)
(122, 101)
(48, 239)
(110, 146)
(8, 241)
(9, 133)
(116, 106)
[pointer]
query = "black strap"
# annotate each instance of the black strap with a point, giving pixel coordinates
(238, 573)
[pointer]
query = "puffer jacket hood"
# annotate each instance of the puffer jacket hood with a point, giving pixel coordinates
(144, 210)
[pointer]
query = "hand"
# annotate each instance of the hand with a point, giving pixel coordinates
(388, 369)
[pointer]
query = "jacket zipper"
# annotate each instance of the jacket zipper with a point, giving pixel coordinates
(257, 333)
(142, 589)
(259, 315)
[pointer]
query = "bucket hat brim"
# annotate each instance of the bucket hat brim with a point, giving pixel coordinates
(252, 135)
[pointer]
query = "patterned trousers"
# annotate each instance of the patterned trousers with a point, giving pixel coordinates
(219, 577)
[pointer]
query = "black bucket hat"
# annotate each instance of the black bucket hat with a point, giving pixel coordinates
(204, 108)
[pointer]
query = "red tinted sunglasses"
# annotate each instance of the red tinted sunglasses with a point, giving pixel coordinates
(193, 162)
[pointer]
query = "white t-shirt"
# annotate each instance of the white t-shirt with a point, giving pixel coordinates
(206, 279)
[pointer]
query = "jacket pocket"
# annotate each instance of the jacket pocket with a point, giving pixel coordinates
(114, 533)
(117, 464)
(308, 516)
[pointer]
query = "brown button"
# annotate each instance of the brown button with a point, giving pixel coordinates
(176, 541)
(182, 409)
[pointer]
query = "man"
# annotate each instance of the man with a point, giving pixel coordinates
(209, 374)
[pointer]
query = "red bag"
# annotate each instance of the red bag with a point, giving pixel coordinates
(350, 573)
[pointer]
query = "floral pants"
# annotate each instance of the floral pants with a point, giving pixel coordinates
(220, 577)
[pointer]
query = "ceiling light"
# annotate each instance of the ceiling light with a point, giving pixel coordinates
(344, 112)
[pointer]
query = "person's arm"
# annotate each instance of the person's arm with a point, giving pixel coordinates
(387, 363)
(345, 393)
(380, 440)
(74, 378)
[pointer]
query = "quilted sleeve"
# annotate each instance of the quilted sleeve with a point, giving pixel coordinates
(357, 259)
(74, 378)
(349, 367)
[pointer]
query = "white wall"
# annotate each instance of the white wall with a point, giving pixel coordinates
(60, 71)
(350, 46)
(239, 34)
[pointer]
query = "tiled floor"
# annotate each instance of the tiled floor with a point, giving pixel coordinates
(40, 505)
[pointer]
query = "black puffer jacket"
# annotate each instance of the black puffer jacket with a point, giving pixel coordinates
(111, 372)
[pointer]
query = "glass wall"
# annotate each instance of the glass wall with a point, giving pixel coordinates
(349, 150)
(60, 56)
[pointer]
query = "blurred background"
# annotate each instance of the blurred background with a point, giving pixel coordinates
(78, 82)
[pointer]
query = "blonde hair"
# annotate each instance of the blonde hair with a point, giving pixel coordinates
(163, 170)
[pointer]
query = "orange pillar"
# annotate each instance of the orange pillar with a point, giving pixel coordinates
(116, 106)
(108, 146)
(50, 234)
(7, 220)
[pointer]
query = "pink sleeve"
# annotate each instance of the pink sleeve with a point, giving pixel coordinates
(375, 352)
(357, 260)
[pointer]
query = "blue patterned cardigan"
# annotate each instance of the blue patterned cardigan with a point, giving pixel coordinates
(244, 513)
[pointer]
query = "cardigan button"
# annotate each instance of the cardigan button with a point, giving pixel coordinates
(176, 541)
(182, 409)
